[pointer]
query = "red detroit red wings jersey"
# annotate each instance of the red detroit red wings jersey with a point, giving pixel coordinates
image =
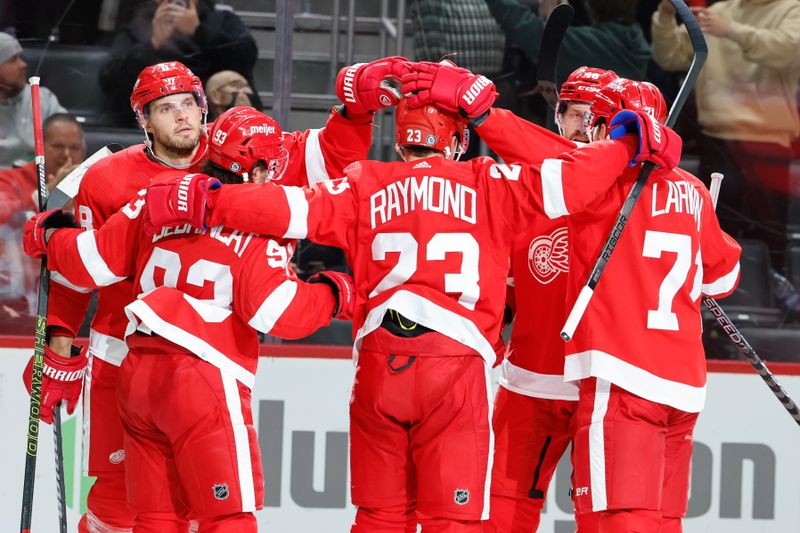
(534, 363)
(107, 186)
(428, 238)
(314, 155)
(208, 291)
(642, 328)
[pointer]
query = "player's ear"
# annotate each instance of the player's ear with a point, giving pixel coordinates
(602, 132)
(400, 151)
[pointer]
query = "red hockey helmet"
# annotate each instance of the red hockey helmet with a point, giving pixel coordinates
(582, 86)
(584, 83)
(243, 136)
(161, 80)
(622, 94)
(431, 127)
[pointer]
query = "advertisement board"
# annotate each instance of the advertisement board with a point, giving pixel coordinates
(744, 473)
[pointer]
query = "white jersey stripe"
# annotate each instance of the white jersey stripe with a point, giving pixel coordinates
(87, 410)
(315, 160)
(423, 311)
(599, 364)
(298, 213)
(487, 370)
(241, 442)
(61, 280)
(723, 284)
(533, 384)
(273, 307)
(93, 262)
(597, 446)
(553, 189)
(110, 349)
(139, 311)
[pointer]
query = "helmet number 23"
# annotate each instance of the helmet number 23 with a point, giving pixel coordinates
(413, 136)
(464, 282)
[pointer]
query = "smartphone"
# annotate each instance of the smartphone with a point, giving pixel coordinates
(182, 3)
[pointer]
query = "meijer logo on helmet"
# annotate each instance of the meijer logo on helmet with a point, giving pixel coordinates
(264, 128)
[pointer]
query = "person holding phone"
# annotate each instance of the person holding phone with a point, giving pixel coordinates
(190, 31)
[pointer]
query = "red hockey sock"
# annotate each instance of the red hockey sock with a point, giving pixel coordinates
(232, 523)
(160, 523)
(629, 520)
(448, 525)
(513, 515)
(397, 519)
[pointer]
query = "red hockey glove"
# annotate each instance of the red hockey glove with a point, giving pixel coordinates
(363, 87)
(33, 235)
(343, 289)
(657, 142)
(177, 201)
(451, 88)
(62, 379)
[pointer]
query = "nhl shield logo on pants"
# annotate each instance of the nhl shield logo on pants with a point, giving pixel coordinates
(461, 496)
(221, 491)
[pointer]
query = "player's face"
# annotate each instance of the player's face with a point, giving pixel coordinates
(62, 143)
(176, 122)
(572, 121)
(12, 76)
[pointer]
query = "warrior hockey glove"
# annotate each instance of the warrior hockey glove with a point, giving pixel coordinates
(343, 290)
(449, 87)
(364, 87)
(177, 201)
(34, 240)
(62, 379)
(657, 143)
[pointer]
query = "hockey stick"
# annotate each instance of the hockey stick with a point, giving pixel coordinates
(554, 31)
(738, 339)
(41, 326)
(700, 53)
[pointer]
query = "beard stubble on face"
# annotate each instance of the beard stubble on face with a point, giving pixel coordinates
(177, 145)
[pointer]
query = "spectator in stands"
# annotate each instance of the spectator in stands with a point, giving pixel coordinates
(64, 149)
(193, 32)
(614, 41)
(746, 107)
(227, 89)
(16, 116)
(463, 29)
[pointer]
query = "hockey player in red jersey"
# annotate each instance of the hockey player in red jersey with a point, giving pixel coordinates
(428, 239)
(170, 105)
(534, 406)
(642, 385)
(184, 387)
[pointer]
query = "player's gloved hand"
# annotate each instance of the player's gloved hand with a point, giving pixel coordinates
(34, 234)
(499, 352)
(343, 289)
(657, 143)
(176, 201)
(365, 87)
(62, 379)
(451, 88)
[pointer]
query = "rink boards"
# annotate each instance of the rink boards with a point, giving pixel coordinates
(744, 478)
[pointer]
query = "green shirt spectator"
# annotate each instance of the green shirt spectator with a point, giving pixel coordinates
(614, 41)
